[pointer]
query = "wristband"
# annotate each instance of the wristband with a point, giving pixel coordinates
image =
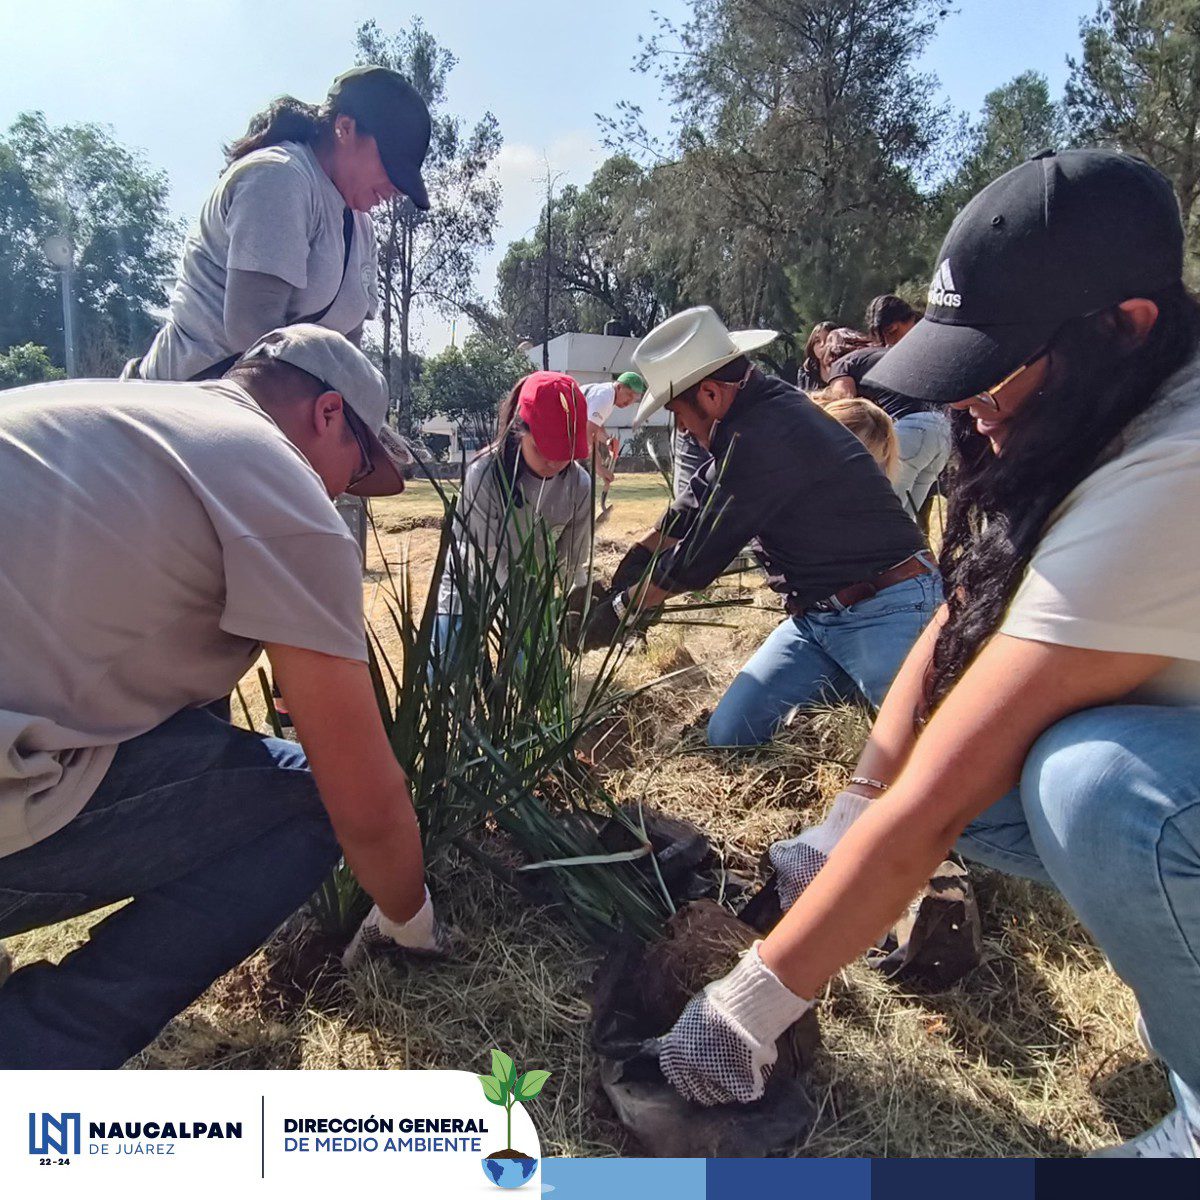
(871, 783)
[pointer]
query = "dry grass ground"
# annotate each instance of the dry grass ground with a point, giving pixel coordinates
(1033, 1054)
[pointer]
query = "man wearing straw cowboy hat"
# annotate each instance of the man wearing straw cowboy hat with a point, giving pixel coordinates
(857, 581)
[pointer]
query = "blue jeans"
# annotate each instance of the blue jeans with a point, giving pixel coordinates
(849, 655)
(218, 834)
(1108, 812)
(447, 631)
(924, 450)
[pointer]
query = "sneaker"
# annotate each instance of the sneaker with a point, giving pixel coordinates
(5, 964)
(1172, 1137)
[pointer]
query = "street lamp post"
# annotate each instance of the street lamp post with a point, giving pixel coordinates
(60, 252)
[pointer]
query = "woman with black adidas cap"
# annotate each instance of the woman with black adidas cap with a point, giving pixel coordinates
(1048, 723)
(286, 237)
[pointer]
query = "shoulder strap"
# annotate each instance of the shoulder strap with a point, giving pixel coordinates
(219, 368)
(347, 238)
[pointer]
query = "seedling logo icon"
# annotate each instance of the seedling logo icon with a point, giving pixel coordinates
(509, 1168)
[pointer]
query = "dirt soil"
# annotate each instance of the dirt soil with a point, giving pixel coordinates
(1033, 1054)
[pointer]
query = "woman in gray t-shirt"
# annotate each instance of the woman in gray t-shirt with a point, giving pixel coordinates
(286, 235)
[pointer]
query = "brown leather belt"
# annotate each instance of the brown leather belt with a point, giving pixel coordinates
(921, 563)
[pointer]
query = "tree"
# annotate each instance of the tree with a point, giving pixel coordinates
(429, 259)
(76, 180)
(467, 385)
(790, 191)
(1019, 119)
(1135, 87)
(26, 364)
(602, 268)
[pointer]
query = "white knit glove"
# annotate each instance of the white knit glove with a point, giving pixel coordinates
(722, 1048)
(798, 860)
(421, 935)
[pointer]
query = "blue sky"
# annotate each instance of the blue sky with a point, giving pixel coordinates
(178, 78)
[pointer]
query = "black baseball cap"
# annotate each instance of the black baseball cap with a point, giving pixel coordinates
(1061, 236)
(388, 107)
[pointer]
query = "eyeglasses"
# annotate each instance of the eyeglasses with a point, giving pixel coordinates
(366, 466)
(988, 396)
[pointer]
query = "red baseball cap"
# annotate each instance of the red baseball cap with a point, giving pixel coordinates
(555, 410)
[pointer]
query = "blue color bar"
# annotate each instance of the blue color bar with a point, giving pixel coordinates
(622, 1179)
(792, 1179)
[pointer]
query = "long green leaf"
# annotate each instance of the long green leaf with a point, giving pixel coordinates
(590, 860)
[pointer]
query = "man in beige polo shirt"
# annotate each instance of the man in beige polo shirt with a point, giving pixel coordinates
(154, 537)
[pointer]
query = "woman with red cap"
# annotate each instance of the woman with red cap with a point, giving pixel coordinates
(530, 479)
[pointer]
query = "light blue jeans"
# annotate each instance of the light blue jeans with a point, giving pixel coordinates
(447, 629)
(1108, 812)
(924, 442)
(849, 655)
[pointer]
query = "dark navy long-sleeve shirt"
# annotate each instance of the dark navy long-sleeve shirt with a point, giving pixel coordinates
(796, 485)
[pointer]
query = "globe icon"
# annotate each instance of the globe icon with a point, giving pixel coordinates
(509, 1172)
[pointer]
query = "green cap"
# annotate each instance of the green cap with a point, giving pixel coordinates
(631, 379)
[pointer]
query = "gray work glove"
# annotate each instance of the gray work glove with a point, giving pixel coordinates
(722, 1049)
(422, 936)
(798, 860)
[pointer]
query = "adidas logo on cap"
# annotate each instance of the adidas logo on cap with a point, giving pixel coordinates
(942, 290)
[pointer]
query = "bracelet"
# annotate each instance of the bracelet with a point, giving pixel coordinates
(620, 603)
(871, 783)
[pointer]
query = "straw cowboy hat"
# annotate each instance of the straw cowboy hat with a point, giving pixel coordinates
(685, 349)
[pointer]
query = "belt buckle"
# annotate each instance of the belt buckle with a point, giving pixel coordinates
(831, 604)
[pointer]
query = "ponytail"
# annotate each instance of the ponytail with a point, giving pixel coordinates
(285, 120)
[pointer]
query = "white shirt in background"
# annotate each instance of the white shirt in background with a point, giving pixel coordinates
(601, 400)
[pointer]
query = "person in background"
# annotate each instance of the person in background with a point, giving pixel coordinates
(857, 581)
(869, 423)
(286, 236)
(835, 345)
(889, 318)
(811, 376)
(687, 457)
(602, 398)
(922, 433)
(198, 525)
(532, 479)
(1048, 723)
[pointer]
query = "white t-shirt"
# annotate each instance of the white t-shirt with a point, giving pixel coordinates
(152, 535)
(275, 212)
(601, 400)
(1118, 567)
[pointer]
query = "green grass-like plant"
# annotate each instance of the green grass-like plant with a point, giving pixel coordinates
(487, 732)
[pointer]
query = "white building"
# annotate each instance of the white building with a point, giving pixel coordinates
(597, 358)
(587, 358)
